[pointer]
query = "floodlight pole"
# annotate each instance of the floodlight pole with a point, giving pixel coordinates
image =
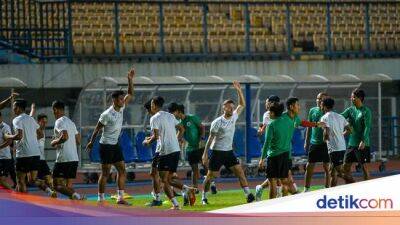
(380, 119)
(248, 121)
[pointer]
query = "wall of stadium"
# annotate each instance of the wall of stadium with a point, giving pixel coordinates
(76, 75)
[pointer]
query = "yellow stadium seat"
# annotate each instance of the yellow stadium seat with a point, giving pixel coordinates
(109, 47)
(89, 47)
(213, 45)
(138, 46)
(78, 47)
(127, 47)
(99, 46)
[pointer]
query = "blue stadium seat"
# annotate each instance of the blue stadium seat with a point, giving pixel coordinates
(255, 144)
(94, 155)
(126, 147)
(238, 143)
(298, 142)
(130, 155)
(144, 153)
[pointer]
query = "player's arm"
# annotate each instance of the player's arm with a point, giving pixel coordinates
(129, 95)
(78, 139)
(266, 146)
(96, 131)
(39, 133)
(63, 137)
(346, 113)
(152, 138)
(6, 143)
(326, 134)
(367, 130)
(33, 110)
(4, 103)
(16, 137)
(242, 102)
(180, 131)
(308, 134)
(208, 145)
(347, 130)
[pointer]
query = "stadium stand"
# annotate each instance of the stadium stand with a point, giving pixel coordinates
(121, 29)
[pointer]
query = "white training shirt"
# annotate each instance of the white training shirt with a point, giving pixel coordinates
(41, 147)
(165, 123)
(28, 146)
(4, 152)
(224, 130)
(336, 124)
(68, 151)
(112, 121)
(266, 118)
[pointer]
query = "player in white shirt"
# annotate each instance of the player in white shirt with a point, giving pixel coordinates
(44, 172)
(220, 142)
(110, 123)
(335, 129)
(27, 133)
(5, 154)
(266, 121)
(66, 139)
(163, 126)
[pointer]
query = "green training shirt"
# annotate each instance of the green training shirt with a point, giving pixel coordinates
(315, 115)
(279, 136)
(192, 124)
(360, 121)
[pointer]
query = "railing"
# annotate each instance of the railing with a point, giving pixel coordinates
(48, 33)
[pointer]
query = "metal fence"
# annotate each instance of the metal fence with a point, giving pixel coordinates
(44, 29)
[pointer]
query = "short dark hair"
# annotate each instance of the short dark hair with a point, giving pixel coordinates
(172, 107)
(228, 101)
(273, 98)
(41, 116)
(291, 101)
(58, 105)
(21, 103)
(359, 94)
(116, 94)
(328, 103)
(181, 108)
(158, 101)
(277, 108)
(147, 105)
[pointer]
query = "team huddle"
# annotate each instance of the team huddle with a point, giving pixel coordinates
(325, 142)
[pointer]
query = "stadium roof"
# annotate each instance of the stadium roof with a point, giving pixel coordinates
(267, 79)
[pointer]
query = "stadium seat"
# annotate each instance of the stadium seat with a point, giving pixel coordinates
(298, 142)
(144, 154)
(239, 143)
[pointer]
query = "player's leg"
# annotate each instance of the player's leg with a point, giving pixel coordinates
(4, 167)
(272, 188)
(308, 175)
(21, 181)
(165, 179)
(239, 173)
(195, 174)
(211, 175)
(104, 174)
(349, 158)
(332, 171)
(12, 173)
(121, 179)
(327, 174)
(363, 158)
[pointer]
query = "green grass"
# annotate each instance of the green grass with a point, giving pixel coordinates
(222, 199)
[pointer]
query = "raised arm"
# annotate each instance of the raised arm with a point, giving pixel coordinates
(4, 103)
(33, 110)
(242, 102)
(129, 96)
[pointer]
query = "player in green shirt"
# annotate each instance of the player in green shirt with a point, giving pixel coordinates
(318, 150)
(194, 136)
(359, 118)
